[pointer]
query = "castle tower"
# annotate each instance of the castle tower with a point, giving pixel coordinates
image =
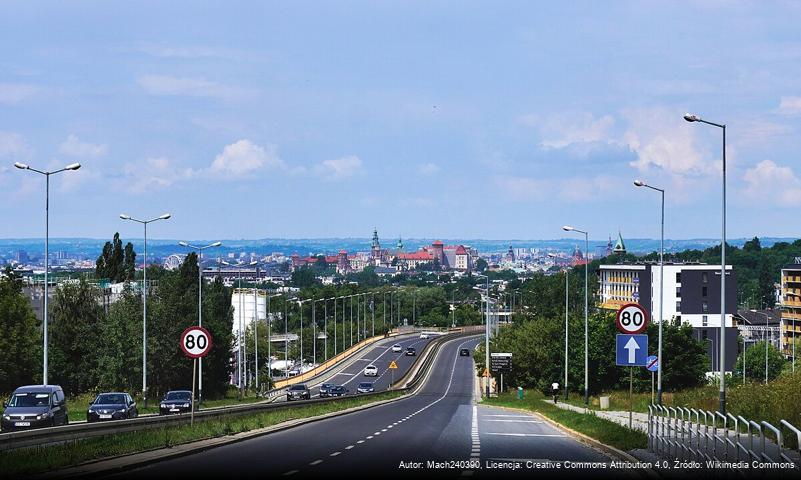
(375, 248)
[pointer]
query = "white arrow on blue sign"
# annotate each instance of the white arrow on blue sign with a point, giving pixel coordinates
(631, 350)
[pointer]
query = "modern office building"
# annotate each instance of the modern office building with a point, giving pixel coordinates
(691, 295)
(790, 306)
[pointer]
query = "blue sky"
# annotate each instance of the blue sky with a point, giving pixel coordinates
(423, 119)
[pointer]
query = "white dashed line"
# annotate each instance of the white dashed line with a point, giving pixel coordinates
(335, 454)
(348, 447)
(291, 472)
(316, 462)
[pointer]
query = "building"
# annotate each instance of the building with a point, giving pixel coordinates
(790, 306)
(691, 295)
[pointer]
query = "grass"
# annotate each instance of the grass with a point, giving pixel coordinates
(42, 459)
(604, 431)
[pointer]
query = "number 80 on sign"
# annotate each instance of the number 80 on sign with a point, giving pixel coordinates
(631, 319)
(196, 342)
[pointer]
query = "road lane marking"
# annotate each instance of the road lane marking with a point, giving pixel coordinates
(348, 447)
(316, 462)
(360, 441)
(335, 454)
(291, 472)
(525, 434)
(514, 421)
(369, 437)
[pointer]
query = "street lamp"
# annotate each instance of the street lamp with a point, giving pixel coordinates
(765, 341)
(641, 183)
(144, 299)
(23, 166)
(568, 228)
(199, 250)
(487, 334)
(695, 118)
(240, 337)
(552, 255)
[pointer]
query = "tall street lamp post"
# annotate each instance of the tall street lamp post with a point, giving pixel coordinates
(487, 335)
(659, 362)
(695, 118)
(23, 166)
(144, 300)
(568, 228)
(199, 250)
(566, 322)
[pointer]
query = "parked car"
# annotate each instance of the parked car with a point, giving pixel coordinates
(35, 406)
(176, 401)
(338, 391)
(299, 391)
(397, 348)
(464, 352)
(410, 351)
(370, 371)
(324, 388)
(111, 406)
(365, 387)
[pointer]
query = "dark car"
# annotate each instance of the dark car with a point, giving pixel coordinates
(365, 387)
(111, 406)
(298, 392)
(410, 351)
(176, 401)
(464, 352)
(337, 391)
(324, 388)
(35, 406)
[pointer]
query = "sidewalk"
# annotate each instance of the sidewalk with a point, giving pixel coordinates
(639, 420)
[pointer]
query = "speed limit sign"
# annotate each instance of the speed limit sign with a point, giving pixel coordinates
(196, 342)
(631, 319)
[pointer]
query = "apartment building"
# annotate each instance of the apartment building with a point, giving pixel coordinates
(791, 307)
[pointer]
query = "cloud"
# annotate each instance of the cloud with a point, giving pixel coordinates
(73, 147)
(14, 93)
(663, 141)
(790, 105)
(193, 87)
(151, 174)
(523, 188)
(243, 158)
(339, 168)
(429, 169)
(572, 190)
(769, 181)
(185, 52)
(565, 129)
(13, 146)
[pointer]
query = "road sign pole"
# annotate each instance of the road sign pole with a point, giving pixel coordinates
(501, 390)
(652, 387)
(192, 409)
(631, 395)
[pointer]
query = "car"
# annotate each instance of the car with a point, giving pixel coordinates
(365, 387)
(176, 401)
(35, 406)
(111, 406)
(424, 335)
(410, 351)
(370, 371)
(337, 391)
(464, 352)
(298, 391)
(397, 348)
(324, 388)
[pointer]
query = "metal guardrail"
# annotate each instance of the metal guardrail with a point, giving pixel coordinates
(75, 432)
(688, 434)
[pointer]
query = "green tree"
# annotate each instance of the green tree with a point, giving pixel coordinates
(129, 263)
(120, 352)
(755, 362)
(303, 277)
(115, 263)
(481, 265)
(76, 335)
(20, 351)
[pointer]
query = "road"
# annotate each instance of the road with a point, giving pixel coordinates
(441, 423)
(381, 355)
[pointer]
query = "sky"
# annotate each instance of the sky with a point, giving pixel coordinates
(454, 119)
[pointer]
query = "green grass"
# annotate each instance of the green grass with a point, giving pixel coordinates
(42, 459)
(604, 431)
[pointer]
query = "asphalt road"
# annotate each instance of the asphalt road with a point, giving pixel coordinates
(440, 424)
(381, 355)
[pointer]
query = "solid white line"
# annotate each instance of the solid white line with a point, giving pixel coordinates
(514, 421)
(526, 434)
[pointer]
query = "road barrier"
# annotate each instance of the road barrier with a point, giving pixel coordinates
(75, 432)
(682, 433)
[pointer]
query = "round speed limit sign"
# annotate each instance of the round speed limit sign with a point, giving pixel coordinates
(196, 342)
(631, 319)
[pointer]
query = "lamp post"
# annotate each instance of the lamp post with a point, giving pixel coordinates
(269, 340)
(765, 341)
(566, 322)
(23, 166)
(199, 250)
(487, 335)
(144, 300)
(695, 118)
(660, 366)
(568, 228)
(241, 356)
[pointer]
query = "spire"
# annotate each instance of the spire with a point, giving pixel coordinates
(375, 239)
(400, 243)
(620, 247)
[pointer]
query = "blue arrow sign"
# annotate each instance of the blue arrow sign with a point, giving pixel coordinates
(631, 350)
(652, 363)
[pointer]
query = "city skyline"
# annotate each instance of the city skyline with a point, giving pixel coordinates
(267, 122)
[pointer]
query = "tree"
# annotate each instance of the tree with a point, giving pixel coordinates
(129, 263)
(20, 351)
(755, 362)
(76, 336)
(481, 265)
(115, 263)
(303, 277)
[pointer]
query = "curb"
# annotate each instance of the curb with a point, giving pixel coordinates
(113, 465)
(606, 449)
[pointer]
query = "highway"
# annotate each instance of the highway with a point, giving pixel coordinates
(441, 423)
